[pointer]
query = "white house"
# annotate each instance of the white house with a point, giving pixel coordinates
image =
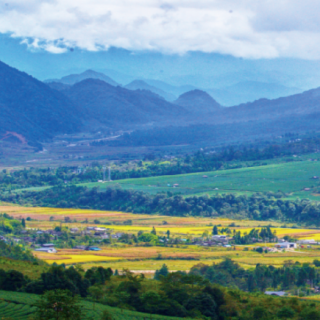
(219, 237)
(286, 245)
(275, 293)
(48, 250)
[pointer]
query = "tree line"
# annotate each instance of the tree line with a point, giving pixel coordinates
(206, 292)
(259, 206)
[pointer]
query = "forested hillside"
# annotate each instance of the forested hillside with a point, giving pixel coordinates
(32, 109)
(116, 105)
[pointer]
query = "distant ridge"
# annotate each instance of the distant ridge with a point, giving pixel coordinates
(111, 105)
(142, 85)
(88, 74)
(198, 101)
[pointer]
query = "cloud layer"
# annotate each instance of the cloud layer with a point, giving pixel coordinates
(242, 28)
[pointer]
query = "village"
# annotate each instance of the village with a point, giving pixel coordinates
(91, 238)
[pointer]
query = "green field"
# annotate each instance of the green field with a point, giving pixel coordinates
(20, 306)
(291, 177)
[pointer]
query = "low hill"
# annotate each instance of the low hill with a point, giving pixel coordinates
(198, 101)
(142, 85)
(88, 74)
(31, 108)
(304, 103)
(18, 305)
(248, 91)
(116, 105)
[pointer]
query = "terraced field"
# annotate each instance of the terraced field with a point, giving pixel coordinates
(20, 306)
(11, 310)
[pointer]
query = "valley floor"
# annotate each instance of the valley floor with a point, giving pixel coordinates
(147, 259)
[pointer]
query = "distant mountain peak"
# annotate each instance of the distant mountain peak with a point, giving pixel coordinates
(142, 85)
(197, 100)
(88, 74)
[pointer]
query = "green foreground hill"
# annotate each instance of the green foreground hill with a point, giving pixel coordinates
(20, 306)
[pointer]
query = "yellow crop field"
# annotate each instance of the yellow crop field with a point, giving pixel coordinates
(148, 259)
(41, 213)
(74, 258)
(149, 266)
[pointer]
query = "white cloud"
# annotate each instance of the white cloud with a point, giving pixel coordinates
(244, 28)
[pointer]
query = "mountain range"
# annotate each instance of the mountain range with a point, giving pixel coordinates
(239, 92)
(113, 106)
(39, 111)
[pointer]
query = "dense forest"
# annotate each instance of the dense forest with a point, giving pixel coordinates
(259, 206)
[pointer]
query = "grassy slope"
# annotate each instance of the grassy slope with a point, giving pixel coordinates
(26, 267)
(20, 306)
(288, 177)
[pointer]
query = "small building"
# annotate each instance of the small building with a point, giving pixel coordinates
(176, 185)
(307, 241)
(80, 247)
(219, 237)
(48, 250)
(74, 230)
(205, 176)
(276, 293)
(93, 249)
(48, 245)
(286, 245)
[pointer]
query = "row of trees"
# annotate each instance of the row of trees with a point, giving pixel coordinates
(258, 206)
(230, 274)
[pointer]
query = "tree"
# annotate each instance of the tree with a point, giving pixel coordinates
(154, 231)
(260, 313)
(204, 303)
(310, 314)
(286, 313)
(11, 280)
(215, 230)
(260, 250)
(58, 304)
(251, 283)
(23, 223)
(106, 315)
(151, 301)
(162, 272)
(96, 293)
